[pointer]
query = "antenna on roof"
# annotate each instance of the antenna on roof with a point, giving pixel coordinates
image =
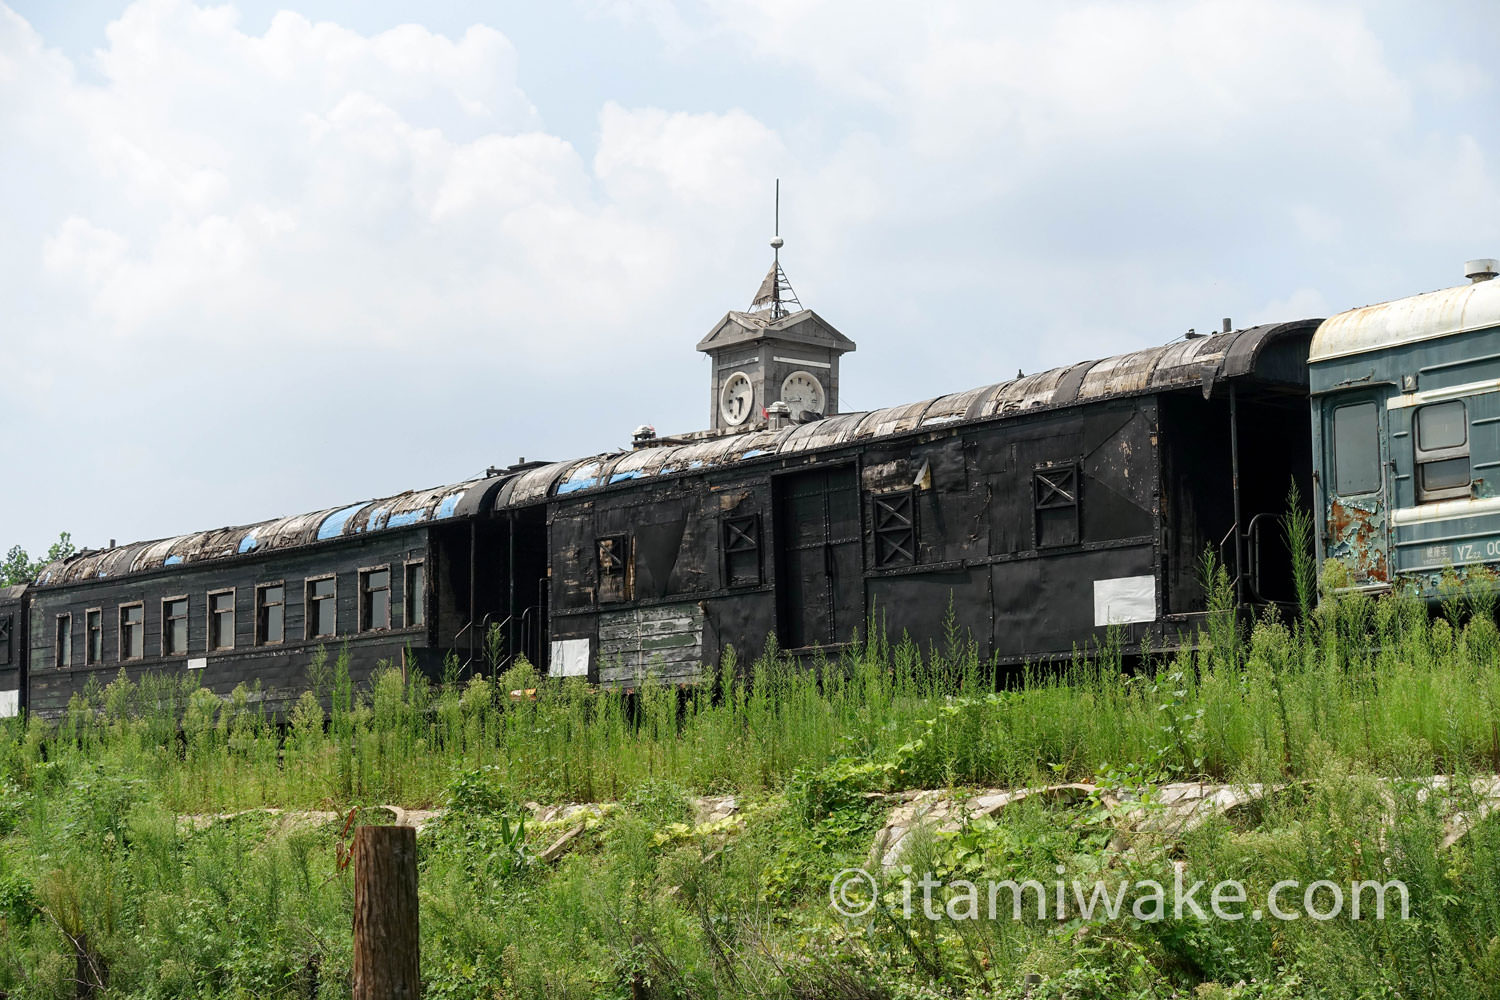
(775, 290)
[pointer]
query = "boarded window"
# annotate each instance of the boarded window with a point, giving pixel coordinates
(614, 558)
(132, 631)
(221, 620)
(415, 594)
(374, 599)
(93, 637)
(270, 613)
(742, 551)
(1442, 451)
(322, 612)
(5, 629)
(174, 626)
(64, 647)
(1055, 493)
(894, 517)
(1356, 449)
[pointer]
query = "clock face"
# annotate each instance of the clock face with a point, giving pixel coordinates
(802, 391)
(736, 399)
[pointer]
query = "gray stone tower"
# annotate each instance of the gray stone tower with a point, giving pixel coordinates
(774, 351)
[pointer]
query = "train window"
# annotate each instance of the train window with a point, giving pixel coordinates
(63, 650)
(895, 529)
(322, 609)
(742, 551)
(270, 614)
(93, 637)
(415, 594)
(1356, 449)
(174, 626)
(132, 631)
(1442, 451)
(374, 599)
(221, 620)
(1055, 496)
(614, 551)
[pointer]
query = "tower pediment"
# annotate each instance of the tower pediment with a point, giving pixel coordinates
(802, 327)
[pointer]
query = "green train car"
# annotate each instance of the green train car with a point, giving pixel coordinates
(1405, 399)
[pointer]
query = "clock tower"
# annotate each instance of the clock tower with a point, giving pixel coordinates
(775, 351)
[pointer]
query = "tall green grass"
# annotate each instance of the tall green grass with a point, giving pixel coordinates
(1378, 683)
(102, 877)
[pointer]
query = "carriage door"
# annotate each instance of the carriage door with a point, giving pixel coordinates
(1354, 487)
(819, 558)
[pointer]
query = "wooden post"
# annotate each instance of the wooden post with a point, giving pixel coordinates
(386, 949)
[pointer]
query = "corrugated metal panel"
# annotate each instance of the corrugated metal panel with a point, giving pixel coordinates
(891, 420)
(1408, 321)
(536, 484)
(826, 433)
(580, 476)
(1127, 373)
(954, 406)
(1182, 364)
(1023, 393)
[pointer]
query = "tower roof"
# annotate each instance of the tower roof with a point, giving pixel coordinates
(775, 295)
(803, 326)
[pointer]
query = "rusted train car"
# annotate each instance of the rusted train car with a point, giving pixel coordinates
(1406, 424)
(1035, 514)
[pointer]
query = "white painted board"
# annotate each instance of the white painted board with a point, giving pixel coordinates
(10, 704)
(1124, 599)
(570, 658)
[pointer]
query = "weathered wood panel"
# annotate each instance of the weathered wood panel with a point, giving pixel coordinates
(661, 643)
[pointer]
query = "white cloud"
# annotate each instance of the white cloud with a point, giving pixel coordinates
(228, 229)
(369, 261)
(312, 165)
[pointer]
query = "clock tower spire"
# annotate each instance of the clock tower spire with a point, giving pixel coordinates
(775, 351)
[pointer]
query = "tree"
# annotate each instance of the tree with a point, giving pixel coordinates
(17, 568)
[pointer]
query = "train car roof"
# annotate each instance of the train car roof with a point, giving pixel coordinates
(403, 510)
(1194, 362)
(1198, 361)
(1408, 321)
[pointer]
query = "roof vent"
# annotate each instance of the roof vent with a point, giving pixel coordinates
(1482, 269)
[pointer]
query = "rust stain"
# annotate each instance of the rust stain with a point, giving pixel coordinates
(1356, 535)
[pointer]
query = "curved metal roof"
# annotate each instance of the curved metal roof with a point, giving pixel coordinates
(1408, 321)
(1182, 364)
(1196, 362)
(412, 507)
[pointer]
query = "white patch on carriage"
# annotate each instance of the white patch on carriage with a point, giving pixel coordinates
(570, 658)
(1124, 599)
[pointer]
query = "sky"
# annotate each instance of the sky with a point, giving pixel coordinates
(265, 258)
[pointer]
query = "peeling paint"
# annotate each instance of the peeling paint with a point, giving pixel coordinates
(333, 525)
(1356, 530)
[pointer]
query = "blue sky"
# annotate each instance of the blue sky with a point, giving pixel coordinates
(267, 258)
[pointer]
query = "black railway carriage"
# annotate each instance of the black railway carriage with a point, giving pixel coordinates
(398, 580)
(1040, 510)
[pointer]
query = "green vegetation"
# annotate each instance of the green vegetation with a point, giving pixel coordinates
(126, 856)
(18, 568)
